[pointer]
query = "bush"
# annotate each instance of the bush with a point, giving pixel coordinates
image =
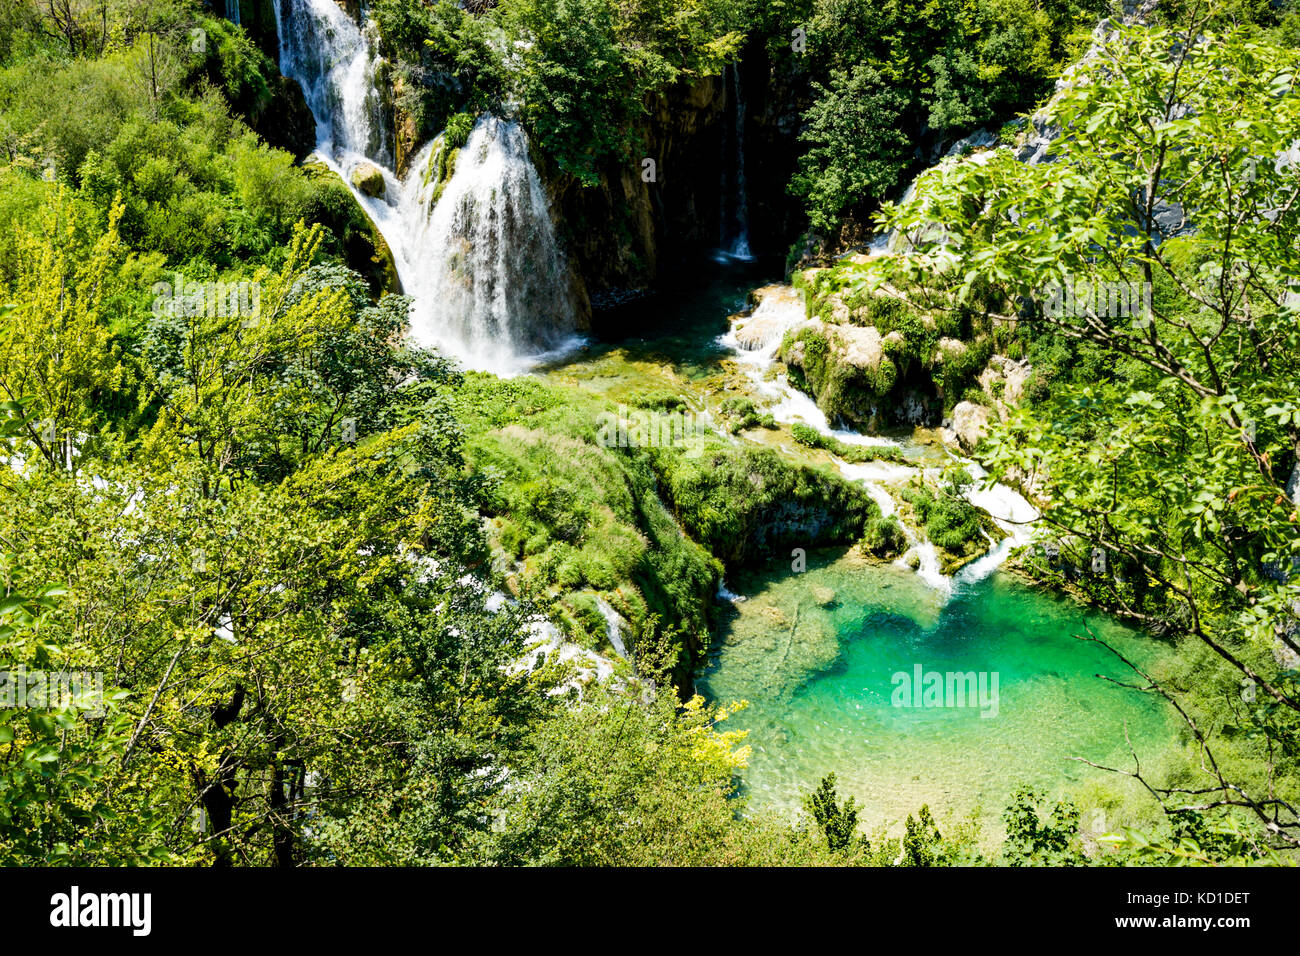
(457, 132)
(885, 537)
(951, 522)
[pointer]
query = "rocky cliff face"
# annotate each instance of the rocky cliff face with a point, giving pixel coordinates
(656, 211)
(640, 227)
(777, 94)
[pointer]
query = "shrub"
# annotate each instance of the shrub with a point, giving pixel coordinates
(458, 129)
(885, 537)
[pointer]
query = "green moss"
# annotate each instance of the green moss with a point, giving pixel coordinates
(580, 516)
(649, 528)
(746, 504)
(441, 167)
(840, 389)
(885, 537)
(655, 399)
(810, 437)
(355, 236)
(740, 414)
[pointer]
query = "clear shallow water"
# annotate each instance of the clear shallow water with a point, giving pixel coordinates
(814, 653)
(818, 673)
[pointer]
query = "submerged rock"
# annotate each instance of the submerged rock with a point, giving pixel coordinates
(776, 616)
(824, 596)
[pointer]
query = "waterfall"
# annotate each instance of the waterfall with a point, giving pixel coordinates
(735, 194)
(482, 264)
(332, 60)
(232, 11)
(499, 283)
(613, 626)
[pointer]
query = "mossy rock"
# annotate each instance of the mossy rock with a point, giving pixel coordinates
(355, 237)
(369, 179)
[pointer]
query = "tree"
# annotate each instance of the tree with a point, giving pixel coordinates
(957, 100)
(56, 351)
(1033, 840)
(1172, 191)
(837, 823)
(856, 146)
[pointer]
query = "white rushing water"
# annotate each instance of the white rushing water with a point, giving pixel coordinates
(613, 626)
(332, 60)
(735, 188)
(498, 288)
(482, 263)
(755, 342)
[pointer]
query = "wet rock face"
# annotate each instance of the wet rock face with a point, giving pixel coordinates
(287, 122)
(778, 95)
(658, 211)
(626, 233)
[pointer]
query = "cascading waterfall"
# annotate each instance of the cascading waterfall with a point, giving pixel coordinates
(499, 284)
(1010, 511)
(481, 262)
(232, 11)
(754, 343)
(754, 346)
(735, 195)
(333, 62)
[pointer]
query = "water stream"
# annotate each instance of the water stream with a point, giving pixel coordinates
(816, 653)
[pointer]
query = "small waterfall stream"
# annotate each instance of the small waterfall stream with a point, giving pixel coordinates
(754, 343)
(482, 262)
(734, 232)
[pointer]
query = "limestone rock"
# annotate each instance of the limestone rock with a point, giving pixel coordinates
(951, 348)
(368, 178)
(980, 139)
(970, 423)
(1011, 375)
(861, 347)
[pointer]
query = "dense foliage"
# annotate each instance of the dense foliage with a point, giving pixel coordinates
(341, 595)
(1170, 481)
